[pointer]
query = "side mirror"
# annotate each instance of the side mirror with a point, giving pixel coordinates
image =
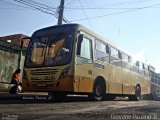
(22, 40)
(80, 40)
(21, 47)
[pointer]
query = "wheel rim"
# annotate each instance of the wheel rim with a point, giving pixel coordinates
(138, 92)
(98, 90)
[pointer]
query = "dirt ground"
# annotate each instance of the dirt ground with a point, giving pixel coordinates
(41, 107)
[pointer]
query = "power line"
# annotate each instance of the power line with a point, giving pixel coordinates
(12, 4)
(41, 7)
(95, 8)
(46, 1)
(124, 3)
(86, 15)
(16, 8)
(114, 4)
(70, 3)
(42, 22)
(35, 7)
(117, 13)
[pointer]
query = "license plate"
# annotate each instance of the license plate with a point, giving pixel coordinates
(41, 85)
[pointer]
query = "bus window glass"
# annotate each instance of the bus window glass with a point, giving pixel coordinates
(114, 53)
(49, 51)
(146, 72)
(125, 61)
(133, 68)
(102, 51)
(152, 77)
(125, 57)
(156, 79)
(86, 48)
(159, 80)
(141, 68)
(145, 67)
(100, 46)
(132, 61)
(38, 52)
(114, 59)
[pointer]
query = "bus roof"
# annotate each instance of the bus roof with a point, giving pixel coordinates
(88, 31)
(81, 27)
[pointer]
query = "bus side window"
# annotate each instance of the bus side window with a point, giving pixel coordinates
(115, 57)
(141, 69)
(146, 70)
(84, 50)
(126, 61)
(133, 65)
(152, 77)
(102, 52)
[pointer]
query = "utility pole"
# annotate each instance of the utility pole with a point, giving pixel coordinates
(60, 12)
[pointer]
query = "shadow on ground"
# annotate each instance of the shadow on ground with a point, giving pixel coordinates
(36, 99)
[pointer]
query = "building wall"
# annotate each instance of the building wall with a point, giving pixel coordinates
(15, 39)
(8, 64)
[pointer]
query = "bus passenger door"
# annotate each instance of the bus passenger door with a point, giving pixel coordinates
(84, 65)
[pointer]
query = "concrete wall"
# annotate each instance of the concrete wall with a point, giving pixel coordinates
(8, 64)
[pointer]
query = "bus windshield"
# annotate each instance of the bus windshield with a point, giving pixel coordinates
(48, 51)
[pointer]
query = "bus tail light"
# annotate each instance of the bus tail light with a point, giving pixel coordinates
(64, 73)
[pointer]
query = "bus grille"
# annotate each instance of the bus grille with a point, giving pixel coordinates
(43, 75)
(44, 72)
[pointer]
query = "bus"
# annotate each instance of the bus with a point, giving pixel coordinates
(155, 86)
(71, 59)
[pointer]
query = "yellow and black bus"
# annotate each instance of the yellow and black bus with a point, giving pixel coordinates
(71, 59)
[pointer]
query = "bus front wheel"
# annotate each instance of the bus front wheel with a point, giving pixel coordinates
(98, 91)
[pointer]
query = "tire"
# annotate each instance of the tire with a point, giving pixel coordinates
(98, 91)
(137, 95)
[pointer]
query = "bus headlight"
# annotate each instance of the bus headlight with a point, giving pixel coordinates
(64, 73)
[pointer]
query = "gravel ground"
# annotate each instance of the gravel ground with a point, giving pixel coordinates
(41, 107)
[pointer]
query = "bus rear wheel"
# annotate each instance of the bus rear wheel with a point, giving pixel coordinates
(98, 91)
(137, 95)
